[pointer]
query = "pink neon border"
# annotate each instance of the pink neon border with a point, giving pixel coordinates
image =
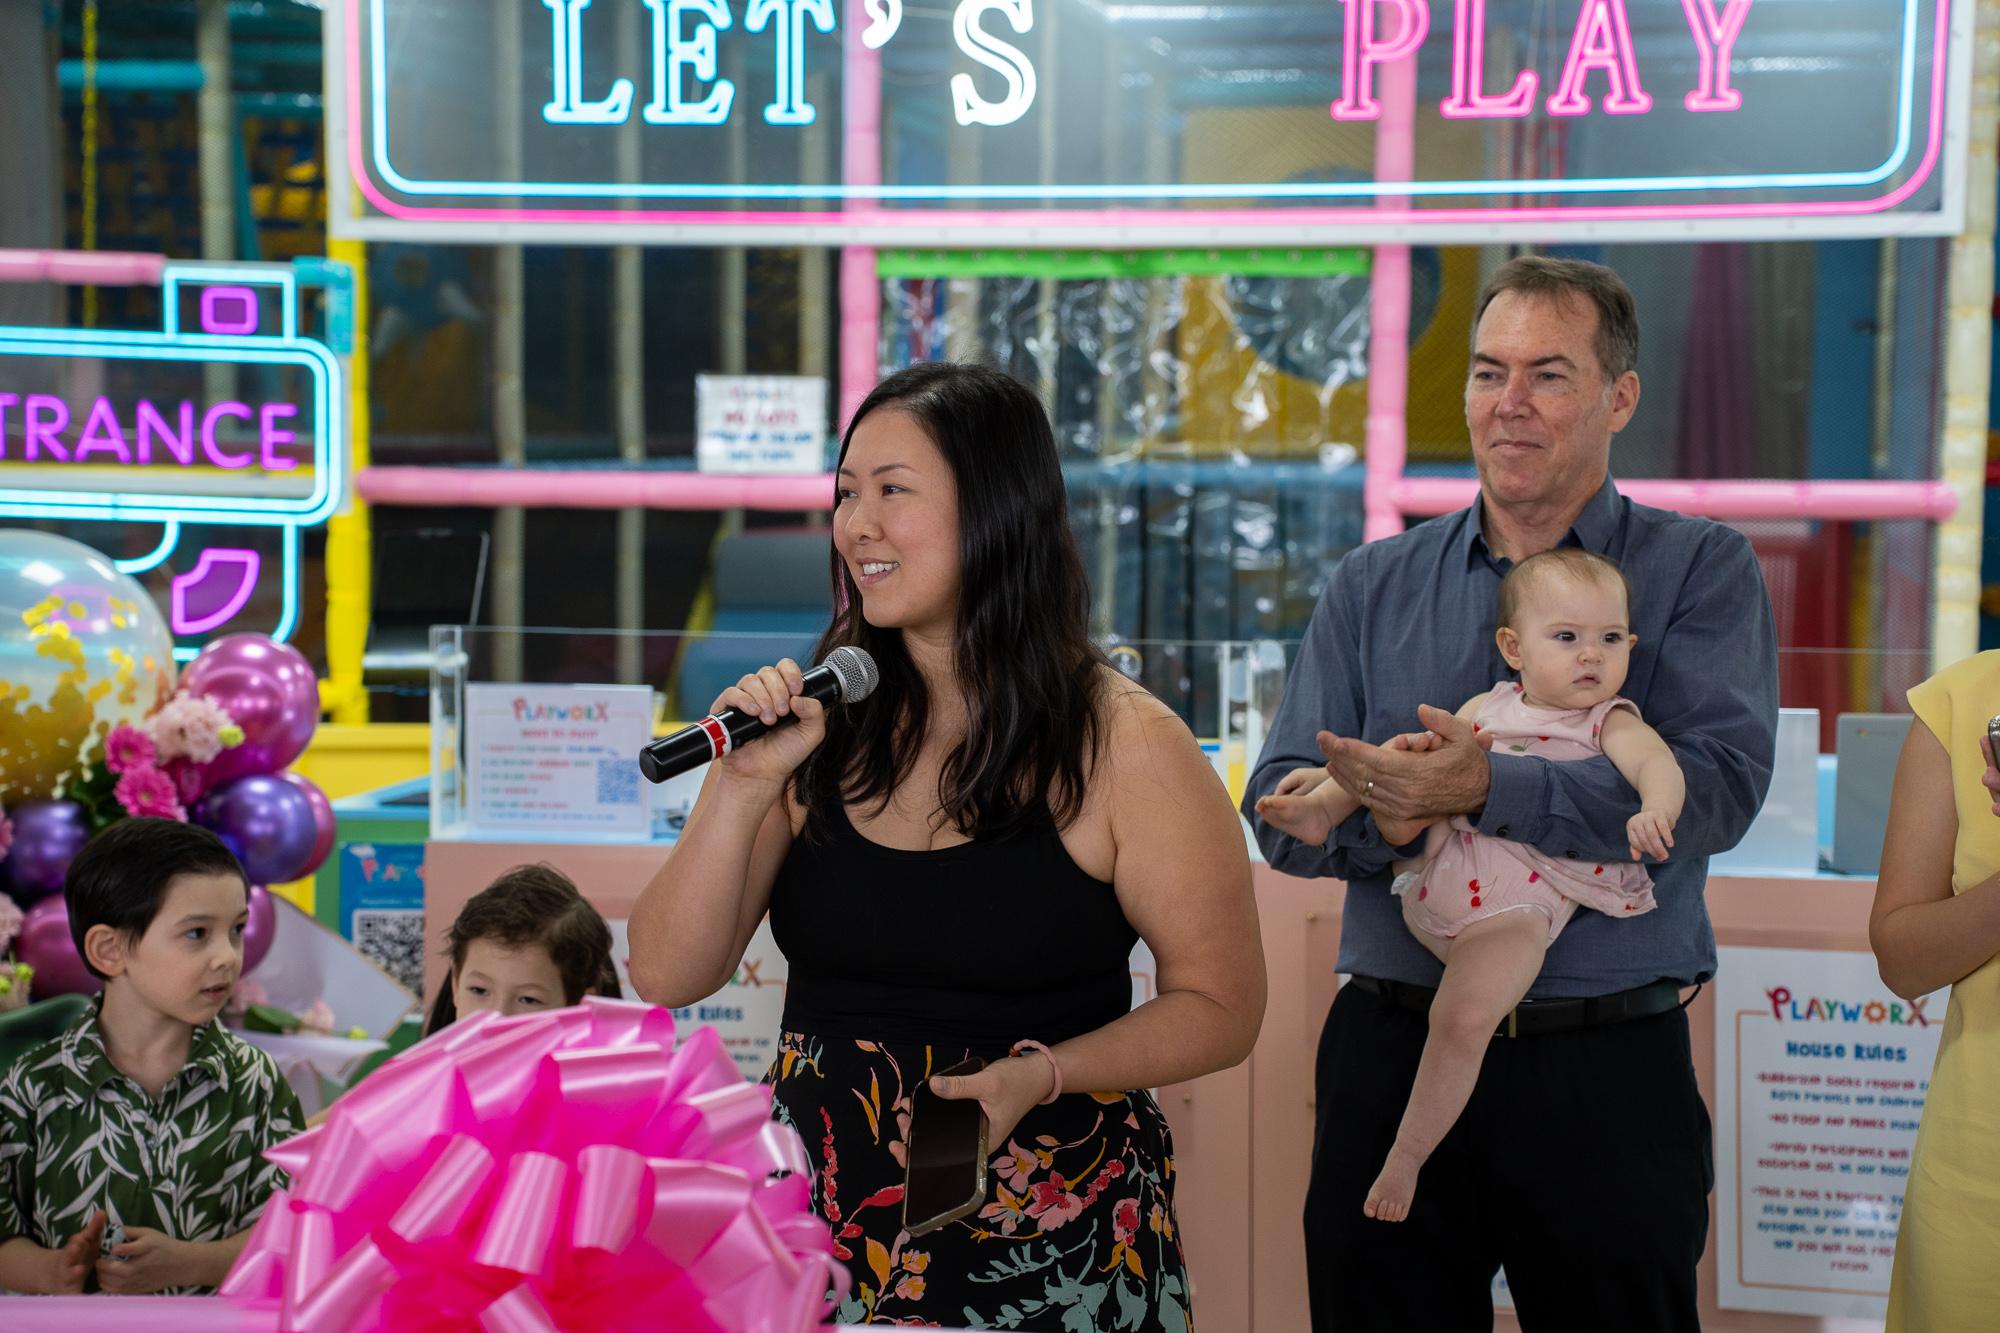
(914, 219)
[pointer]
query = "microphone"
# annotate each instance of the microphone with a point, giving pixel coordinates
(846, 676)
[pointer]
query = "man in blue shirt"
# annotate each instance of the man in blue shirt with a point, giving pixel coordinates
(1583, 1161)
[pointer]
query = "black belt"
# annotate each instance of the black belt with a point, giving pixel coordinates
(1532, 1018)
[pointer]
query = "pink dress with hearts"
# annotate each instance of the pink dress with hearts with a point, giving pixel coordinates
(1468, 876)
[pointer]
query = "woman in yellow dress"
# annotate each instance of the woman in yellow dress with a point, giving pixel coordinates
(1937, 922)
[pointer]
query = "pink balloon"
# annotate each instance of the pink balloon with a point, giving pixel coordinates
(323, 821)
(269, 690)
(260, 929)
(44, 944)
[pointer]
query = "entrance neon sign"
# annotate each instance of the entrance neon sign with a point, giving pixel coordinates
(44, 417)
(59, 456)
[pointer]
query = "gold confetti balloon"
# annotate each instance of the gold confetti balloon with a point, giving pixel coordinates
(82, 648)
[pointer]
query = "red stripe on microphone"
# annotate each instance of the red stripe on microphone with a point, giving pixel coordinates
(718, 738)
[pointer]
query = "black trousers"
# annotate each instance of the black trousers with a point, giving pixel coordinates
(1582, 1164)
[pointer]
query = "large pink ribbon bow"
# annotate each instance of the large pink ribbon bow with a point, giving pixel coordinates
(562, 1171)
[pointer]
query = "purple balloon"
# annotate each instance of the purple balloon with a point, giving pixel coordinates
(323, 821)
(267, 823)
(269, 690)
(44, 944)
(47, 837)
(260, 929)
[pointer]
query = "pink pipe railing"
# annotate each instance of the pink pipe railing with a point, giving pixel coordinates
(96, 268)
(607, 488)
(860, 164)
(1857, 500)
(618, 488)
(1389, 312)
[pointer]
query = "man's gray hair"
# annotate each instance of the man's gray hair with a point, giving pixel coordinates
(1564, 279)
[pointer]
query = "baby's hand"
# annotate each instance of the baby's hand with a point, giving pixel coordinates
(1297, 806)
(1415, 742)
(1651, 833)
(1300, 781)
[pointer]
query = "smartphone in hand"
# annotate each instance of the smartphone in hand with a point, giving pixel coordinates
(945, 1178)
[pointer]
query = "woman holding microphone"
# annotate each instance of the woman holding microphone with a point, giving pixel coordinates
(958, 866)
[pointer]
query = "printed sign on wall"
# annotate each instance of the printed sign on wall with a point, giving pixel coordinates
(557, 760)
(750, 424)
(1820, 1077)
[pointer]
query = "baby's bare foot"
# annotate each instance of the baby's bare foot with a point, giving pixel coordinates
(1389, 1197)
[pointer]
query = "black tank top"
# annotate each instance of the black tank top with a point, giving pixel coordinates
(980, 945)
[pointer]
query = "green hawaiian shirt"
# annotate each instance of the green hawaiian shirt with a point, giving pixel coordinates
(76, 1135)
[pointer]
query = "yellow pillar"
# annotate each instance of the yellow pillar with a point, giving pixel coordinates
(1968, 348)
(349, 568)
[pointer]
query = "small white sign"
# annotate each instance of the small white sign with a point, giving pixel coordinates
(1820, 1078)
(747, 1013)
(557, 759)
(760, 423)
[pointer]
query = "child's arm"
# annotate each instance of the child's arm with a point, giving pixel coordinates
(1308, 806)
(1645, 761)
(1396, 832)
(151, 1261)
(27, 1269)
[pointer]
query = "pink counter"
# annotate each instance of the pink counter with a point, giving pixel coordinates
(1240, 1209)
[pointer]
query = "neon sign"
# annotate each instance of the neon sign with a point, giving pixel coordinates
(45, 416)
(267, 459)
(1693, 111)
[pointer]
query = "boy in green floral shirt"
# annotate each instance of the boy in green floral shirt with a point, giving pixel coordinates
(131, 1147)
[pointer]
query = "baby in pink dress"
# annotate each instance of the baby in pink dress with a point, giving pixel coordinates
(1466, 876)
(1488, 907)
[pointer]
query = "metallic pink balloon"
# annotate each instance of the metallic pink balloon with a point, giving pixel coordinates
(260, 929)
(44, 944)
(323, 820)
(269, 690)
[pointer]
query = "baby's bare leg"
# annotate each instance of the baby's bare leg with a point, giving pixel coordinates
(1396, 832)
(1488, 968)
(1433, 842)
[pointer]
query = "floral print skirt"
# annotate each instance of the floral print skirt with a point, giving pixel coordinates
(1077, 1233)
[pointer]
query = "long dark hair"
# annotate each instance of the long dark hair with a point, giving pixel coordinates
(1021, 646)
(533, 905)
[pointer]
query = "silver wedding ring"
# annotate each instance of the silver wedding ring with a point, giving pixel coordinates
(1368, 789)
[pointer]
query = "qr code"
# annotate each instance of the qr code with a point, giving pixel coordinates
(394, 942)
(617, 782)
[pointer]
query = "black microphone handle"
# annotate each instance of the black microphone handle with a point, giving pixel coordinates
(691, 747)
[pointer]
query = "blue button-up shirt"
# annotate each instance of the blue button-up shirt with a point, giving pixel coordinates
(1410, 621)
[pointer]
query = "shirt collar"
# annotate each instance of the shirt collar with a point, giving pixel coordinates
(1595, 528)
(89, 1061)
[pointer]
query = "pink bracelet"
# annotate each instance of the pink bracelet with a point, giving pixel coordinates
(1054, 1067)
